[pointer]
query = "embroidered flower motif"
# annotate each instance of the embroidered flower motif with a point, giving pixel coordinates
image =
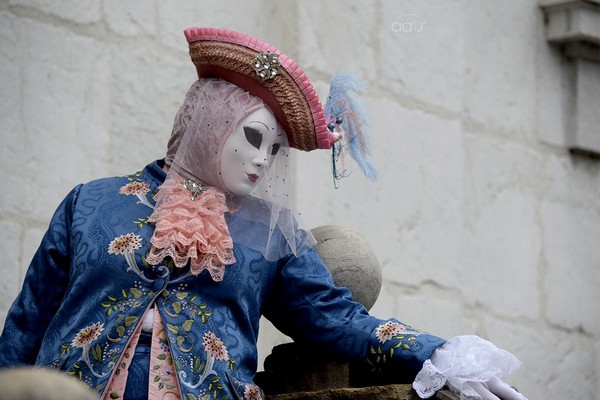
(87, 335)
(135, 188)
(215, 350)
(388, 330)
(124, 244)
(138, 189)
(214, 347)
(252, 393)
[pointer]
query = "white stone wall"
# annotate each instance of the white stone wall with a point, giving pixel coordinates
(480, 225)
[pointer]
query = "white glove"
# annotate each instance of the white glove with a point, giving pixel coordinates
(472, 368)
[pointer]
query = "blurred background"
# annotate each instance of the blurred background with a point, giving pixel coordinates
(486, 214)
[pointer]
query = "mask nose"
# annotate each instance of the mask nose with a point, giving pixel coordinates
(261, 160)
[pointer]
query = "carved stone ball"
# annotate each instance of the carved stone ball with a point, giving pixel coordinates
(351, 261)
(28, 383)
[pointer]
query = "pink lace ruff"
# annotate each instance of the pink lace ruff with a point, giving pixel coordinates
(191, 231)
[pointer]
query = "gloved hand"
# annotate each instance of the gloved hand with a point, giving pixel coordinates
(472, 368)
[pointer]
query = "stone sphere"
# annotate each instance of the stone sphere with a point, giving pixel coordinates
(28, 383)
(351, 261)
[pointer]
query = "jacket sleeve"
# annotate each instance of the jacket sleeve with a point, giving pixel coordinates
(307, 306)
(42, 291)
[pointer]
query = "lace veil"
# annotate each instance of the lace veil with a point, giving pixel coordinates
(195, 229)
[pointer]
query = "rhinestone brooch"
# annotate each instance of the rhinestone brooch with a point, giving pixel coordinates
(266, 65)
(194, 187)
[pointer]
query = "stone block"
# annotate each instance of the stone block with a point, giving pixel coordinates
(434, 310)
(500, 79)
(494, 164)
(555, 96)
(63, 102)
(130, 18)
(334, 35)
(10, 238)
(151, 87)
(572, 180)
(597, 372)
(571, 236)
(571, 21)
(292, 367)
(388, 392)
(12, 125)
(255, 17)
(71, 10)
(556, 364)
(421, 50)
(501, 255)
(587, 118)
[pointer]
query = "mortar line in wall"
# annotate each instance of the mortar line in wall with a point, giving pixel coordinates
(423, 286)
(537, 82)
(542, 266)
(89, 29)
(478, 310)
(474, 128)
(97, 30)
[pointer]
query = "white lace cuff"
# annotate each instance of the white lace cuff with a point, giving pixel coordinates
(462, 361)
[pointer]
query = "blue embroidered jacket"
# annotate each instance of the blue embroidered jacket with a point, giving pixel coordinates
(89, 285)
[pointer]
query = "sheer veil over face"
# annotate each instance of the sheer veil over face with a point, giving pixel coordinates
(249, 150)
(210, 112)
(260, 216)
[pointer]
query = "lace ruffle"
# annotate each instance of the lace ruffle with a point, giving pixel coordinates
(191, 231)
(429, 380)
(462, 361)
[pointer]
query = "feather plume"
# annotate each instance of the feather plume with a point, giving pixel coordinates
(344, 109)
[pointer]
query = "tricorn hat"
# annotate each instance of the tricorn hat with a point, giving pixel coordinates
(264, 71)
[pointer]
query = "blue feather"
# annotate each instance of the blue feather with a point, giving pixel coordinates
(343, 103)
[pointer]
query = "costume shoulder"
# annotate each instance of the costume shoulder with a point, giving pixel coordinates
(141, 184)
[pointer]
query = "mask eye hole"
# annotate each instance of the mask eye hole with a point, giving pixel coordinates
(253, 136)
(275, 148)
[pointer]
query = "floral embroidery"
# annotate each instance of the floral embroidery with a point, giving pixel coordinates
(214, 347)
(388, 330)
(252, 393)
(83, 340)
(244, 391)
(138, 189)
(215, 350)
(401, 337)
(391, 329)
(87, 335)
(125, 244)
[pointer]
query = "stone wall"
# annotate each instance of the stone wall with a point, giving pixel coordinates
(480, 224)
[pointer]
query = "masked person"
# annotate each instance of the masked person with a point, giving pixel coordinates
(152, 285)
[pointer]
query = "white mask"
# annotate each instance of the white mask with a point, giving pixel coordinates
(250, 150)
